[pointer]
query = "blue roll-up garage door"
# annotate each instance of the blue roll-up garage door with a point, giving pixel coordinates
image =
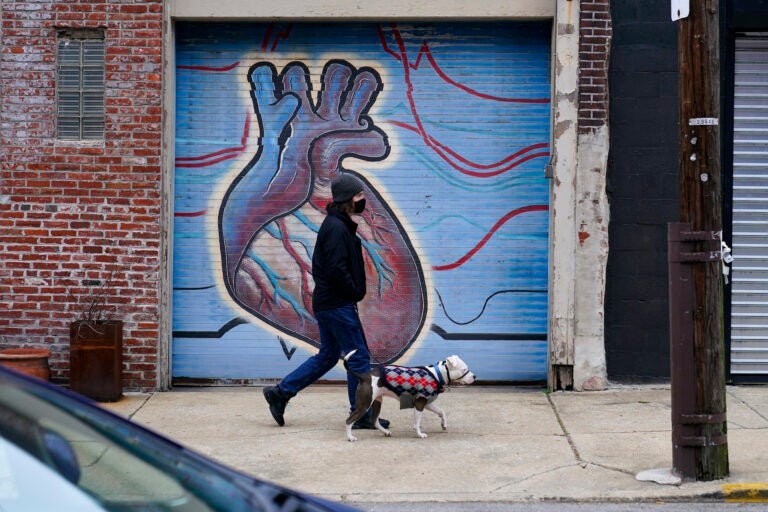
(447, 124)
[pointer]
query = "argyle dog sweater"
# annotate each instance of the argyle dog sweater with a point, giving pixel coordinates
(411, 383)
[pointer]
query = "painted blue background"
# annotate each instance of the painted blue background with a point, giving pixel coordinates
(492, 308)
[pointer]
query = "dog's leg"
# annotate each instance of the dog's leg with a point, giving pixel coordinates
(418, 407)
(349, 433)
(375, 410)
(443, 418)
(363, 398)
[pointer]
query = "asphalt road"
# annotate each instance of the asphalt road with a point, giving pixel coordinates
(563, 507)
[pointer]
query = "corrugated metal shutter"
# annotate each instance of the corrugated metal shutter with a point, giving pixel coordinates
(452, 148)
(749, 293)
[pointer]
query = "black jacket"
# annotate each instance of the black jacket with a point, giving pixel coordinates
(337, 264)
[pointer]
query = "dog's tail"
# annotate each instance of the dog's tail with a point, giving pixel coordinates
(346, 357)
(346, 366)
(363, 394)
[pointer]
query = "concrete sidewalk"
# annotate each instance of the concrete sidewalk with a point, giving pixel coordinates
(502, 444)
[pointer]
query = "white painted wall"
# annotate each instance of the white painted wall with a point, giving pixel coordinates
(359, 9)
(563, 204)
(591, 260)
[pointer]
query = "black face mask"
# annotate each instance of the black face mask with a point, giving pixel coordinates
(359, 206)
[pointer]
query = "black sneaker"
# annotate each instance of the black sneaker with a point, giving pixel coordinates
(277, 403)
(366, 424)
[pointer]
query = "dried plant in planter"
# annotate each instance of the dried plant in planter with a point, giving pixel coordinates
(93, 304)
(96, 341)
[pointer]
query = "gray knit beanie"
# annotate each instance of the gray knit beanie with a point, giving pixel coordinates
(344, 187)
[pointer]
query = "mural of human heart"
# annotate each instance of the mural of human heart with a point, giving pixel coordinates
(272, 210)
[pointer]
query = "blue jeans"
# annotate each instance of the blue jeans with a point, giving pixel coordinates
(340, 331)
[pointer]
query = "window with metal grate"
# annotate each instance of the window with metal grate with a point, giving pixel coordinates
(80, 85)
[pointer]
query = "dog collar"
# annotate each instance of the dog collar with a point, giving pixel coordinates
(439, 374)
(440, 379)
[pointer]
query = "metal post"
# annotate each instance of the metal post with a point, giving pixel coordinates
(683, 382)
(693, 430)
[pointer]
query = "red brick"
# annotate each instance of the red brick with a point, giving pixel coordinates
(595, 35)
(56, 224)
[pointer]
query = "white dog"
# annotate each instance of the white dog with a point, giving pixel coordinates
(415, 387)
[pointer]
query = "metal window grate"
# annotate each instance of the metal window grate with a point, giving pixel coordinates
(80, 87)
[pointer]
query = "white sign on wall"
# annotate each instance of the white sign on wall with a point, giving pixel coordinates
(680, 9)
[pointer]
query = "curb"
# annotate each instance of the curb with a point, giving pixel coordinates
(746, 492)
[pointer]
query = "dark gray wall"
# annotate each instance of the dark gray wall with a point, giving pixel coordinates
(642, 188)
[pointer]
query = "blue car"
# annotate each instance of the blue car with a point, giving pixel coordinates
(62, 452)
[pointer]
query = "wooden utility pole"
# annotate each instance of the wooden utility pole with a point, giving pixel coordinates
(705, 426)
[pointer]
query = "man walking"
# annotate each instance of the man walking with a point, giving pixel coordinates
(338, 270)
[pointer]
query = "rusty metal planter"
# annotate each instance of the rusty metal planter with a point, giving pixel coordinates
(96, 359)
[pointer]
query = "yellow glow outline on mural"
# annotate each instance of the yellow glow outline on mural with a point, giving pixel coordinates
(212, 219)
(251, 148)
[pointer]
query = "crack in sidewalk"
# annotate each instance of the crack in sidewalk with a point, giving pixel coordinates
(745, 404)
(141, 405)
(581, 462)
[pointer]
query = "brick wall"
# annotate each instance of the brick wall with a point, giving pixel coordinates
(594, 51)
(79, 211)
